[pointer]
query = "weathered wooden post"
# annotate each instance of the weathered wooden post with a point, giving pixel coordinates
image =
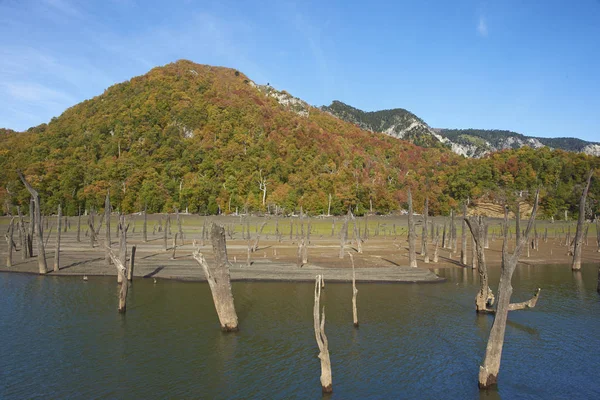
(41, 256)
(354, 293)
(488, 372)
(219, 279)
(576, 264)
(319, 323)
(58, 231)
(412, 257)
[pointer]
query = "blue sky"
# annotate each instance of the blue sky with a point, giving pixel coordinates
(532, 66)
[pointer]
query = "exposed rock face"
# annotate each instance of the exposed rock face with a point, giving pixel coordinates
(592, 149)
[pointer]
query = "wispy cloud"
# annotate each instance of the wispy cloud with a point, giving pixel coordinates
(482, 28)
(64, 7)
(35, 92)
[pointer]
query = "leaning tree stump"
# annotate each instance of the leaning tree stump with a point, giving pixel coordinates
(219, 279)
(319, 322)
(36, 205)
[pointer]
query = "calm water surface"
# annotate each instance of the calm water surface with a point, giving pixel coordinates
(63, 338)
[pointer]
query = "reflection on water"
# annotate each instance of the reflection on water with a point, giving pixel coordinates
(63, 338)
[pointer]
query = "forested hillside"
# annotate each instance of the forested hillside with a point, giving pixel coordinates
(208, 139)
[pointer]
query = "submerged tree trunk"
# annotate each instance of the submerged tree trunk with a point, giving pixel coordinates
(219, 279)
(122, 273)
(319, 323)
(122, 245)
(57, 249)
(488, 371)
(131, 263)
(412, 257)
(576, 264)
(354, 293)
(41, 256)
(484, 298)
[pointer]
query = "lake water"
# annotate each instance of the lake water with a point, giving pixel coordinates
(63, 338)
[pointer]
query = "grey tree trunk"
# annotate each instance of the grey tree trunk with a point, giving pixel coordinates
(91, 227)
(258, 233)
(484, 298)
(463, 238)
(357, 236)
(412, 256)
(122, 276)
(9, 241)
(326, 383)
(41, 256)
(57, 250)
(165, 233)
(354, 293)
(488, 371)
(576, 264)
(107, 245)
(145, 227)
(31, 226)
(436, 250)
(219, 279)
(424, 231)
(131, 264)
(344, 235)
(79, 224)
(23, 235)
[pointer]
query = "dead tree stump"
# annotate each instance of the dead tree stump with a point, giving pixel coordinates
(488, 371)
(57, 249)
(319, 323)
(576, 264)
(219, 279)
(41, 256)
(354, 293)
(412, 256)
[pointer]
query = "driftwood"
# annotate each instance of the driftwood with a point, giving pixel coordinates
(576, 264)
(219, 279)
(319, 323)
(354, 293)
(488, 371)
(412, 257)
(41, 256)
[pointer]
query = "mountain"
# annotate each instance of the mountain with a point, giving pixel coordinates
(402, 124)
(207, 138)
(478, 142)
(397, 123)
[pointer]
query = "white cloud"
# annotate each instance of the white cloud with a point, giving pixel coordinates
(482, 28)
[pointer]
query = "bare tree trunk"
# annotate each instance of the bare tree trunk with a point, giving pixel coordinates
(576, 264)
(41, 256)
(598, 234)
(485, 297)
(463, 239)
(518, 221)
(131, 264)
(436, 250)
(255, 246)
(107, 245)
(122, 274)
(354, 293)
(526, 304)
(9, 241)
(357, 237)
(444, 242)
(122, 245)
(424, 230)
(180, 228)
(91, 227)
(79, 224)
(58, 231)
(23, 235)
(165, 233)
(322, 339)
(145, 227)
(32, 224)
(219, 280)
(174, 245)
(412, 257)
(488, 372)
(344, 235)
